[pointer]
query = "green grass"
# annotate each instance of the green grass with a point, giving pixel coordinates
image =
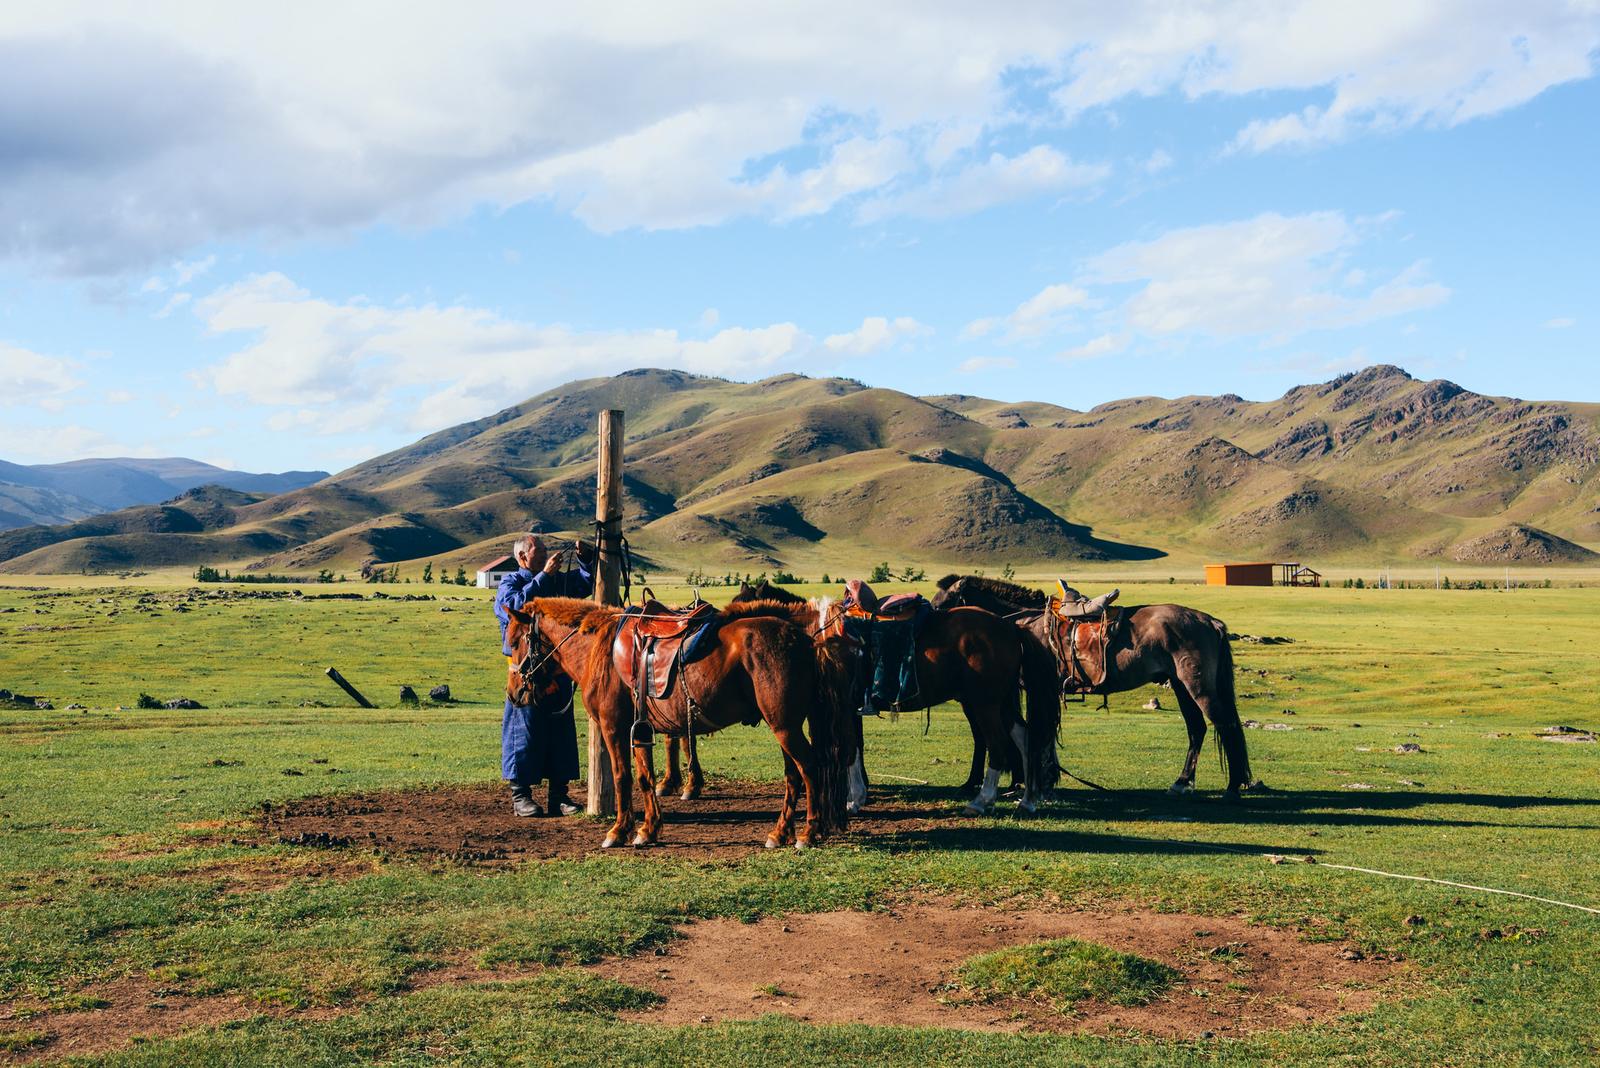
(118, 855)
(1064, 971)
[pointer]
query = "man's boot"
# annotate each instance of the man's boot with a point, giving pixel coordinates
(522, 802)
(560, 803)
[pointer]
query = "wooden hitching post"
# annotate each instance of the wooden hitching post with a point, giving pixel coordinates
(607, 586)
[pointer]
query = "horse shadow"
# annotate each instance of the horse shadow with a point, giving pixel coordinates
(1298, 808)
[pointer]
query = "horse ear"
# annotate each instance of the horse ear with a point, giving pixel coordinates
(520, 616)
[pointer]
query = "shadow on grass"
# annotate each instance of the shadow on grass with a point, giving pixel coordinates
(1314, 808)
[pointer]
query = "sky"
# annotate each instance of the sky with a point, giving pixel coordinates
(294, 236)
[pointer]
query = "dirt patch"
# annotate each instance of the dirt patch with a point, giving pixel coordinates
(131, 1010)
(126, 1011)
(898, 967)
(474, 824)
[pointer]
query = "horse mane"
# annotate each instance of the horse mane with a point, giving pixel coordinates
(588, 616)
(798, 612)
(1009, 592)
(765, 592)
(949, 580)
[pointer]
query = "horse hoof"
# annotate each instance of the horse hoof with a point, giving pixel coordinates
(772, 841)
(640, 839)
(1180, 788)
(972, 810)
(853, 807)
(1027, 807)
(802, 845)
(688, 795)
(1257, 787)
(609, 841)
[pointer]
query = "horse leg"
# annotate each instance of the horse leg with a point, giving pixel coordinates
(645, 768)
(783, 833)
(1029, 801)
(801, 762)
(697, 779)
(996, 741)
(1195, 720)
(673, 780)
(616, 736)
(1213, 701)
(975, 776)
(857, 798)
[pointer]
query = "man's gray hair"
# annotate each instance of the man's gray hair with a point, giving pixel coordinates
(525, 545)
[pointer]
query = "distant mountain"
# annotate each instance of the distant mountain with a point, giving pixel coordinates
(62, 493)
(818, 474)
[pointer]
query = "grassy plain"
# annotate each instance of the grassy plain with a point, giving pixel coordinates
(117, 862)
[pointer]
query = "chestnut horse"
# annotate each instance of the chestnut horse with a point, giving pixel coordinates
(1157, 643)
(756, 668)
(966, 656)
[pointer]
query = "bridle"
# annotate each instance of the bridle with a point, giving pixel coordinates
(528, 668)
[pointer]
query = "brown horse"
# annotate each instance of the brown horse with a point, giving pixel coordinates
(1158, 643)
(757, 668)
(975, 659)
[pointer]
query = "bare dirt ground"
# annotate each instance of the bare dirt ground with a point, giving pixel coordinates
(474, 824)
(895, 968)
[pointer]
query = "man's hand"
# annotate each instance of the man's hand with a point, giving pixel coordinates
(553, 565)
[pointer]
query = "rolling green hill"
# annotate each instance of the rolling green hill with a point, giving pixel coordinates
(800, 472)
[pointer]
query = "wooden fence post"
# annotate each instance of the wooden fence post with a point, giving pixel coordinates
(607, 585)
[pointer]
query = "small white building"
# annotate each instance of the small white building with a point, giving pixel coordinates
(490, 574)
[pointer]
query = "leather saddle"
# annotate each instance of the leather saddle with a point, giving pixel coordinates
(860, 601)
(1082, 642)
(1074, 605)
(651, 642)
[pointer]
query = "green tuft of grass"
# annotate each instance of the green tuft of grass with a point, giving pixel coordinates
(22, 1041)
(1064, 971)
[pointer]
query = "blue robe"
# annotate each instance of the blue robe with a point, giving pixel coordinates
(539, 741)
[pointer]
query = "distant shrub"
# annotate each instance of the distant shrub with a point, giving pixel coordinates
(826, 581)
(881, 573)
(784, 578)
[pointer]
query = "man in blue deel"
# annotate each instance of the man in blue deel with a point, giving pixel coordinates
(539, 742)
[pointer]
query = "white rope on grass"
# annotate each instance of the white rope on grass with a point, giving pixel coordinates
(1278, 858)
(902, 778)
(1464, 886)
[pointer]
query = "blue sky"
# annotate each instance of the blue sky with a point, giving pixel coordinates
(294, 239)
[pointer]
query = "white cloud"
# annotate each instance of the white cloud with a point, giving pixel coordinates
(149, 131)
(1104, 345)
(29, 378)
(174, 302)
(1046, 312)
(996, 180)
(1272, 275)
(979, 364)
(709, 318)
(119, 396)
(874, 334)
(1560, 324)
(32, 444)
(184, 272)
(1159, 161)
(345, 367)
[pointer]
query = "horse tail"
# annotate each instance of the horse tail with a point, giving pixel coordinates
(831, 735)
(1225, 716)
(1044, 712)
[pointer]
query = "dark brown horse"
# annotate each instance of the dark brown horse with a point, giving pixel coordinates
(1158, 643)
(757, 668)
(973, 658)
